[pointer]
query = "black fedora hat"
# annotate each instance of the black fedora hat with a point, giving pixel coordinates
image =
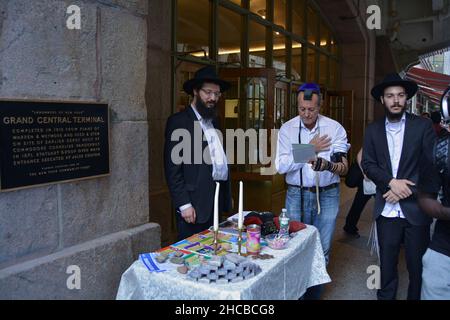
(394, 79)
(205, 74)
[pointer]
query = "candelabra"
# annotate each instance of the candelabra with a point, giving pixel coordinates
(216, 241)
(240, 242)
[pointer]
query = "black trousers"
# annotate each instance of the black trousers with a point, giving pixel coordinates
(359, 202)
(392, 232)
(186, 230)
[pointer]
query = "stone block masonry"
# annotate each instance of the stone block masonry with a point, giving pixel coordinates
(99, 225)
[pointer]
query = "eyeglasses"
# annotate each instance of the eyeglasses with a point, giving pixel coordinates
(210, 93)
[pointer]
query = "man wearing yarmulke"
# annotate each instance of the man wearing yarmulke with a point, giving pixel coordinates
(313, 188)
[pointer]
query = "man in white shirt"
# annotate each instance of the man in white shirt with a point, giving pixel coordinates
(191, 181)
(394, 149)
(323, 174)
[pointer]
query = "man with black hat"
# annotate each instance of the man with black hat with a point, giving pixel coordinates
(191, 172)
(313, 188)
(394, 148)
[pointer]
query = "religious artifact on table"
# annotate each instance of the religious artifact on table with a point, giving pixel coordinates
(216, 218)
(240, 216)
(253, 239)
(269, 223)
(264, 219)
(225, 269)
(277, 241)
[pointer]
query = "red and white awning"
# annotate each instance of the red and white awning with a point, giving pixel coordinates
(431, 84)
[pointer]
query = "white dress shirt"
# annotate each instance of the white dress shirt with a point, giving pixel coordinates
(288, 135)
(395, 132)
(216, 152)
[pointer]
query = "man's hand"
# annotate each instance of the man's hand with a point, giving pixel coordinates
(320, 143)
(189, 215)
(401, 187)
(391, 197)
(319, 164)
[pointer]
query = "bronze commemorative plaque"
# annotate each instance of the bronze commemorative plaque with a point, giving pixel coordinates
(50, 142)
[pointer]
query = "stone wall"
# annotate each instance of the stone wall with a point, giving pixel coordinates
(158, 94)
(100, 225)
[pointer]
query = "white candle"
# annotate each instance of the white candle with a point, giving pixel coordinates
(241, 205)
(216, 207)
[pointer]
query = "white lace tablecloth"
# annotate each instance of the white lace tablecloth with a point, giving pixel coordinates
(286, 277)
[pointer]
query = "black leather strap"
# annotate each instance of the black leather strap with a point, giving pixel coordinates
(313, 189)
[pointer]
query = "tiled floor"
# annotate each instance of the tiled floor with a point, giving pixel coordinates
(351, 257)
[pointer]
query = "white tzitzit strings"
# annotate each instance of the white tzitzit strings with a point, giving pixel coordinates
(317, 193)
(318, 178)
(373, 241)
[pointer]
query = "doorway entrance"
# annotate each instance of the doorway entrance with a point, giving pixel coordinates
(257, 101)
(339, 106)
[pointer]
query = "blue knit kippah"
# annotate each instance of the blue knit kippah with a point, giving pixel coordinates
(309, 88)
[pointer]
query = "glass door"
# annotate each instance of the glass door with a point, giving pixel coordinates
(249, 104)
(255, 101)
(339, 106)
(281, 112)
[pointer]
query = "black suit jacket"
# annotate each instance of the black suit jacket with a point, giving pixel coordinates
(417, 148)
(189, 182)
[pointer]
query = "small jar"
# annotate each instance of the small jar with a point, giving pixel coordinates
(253, 243)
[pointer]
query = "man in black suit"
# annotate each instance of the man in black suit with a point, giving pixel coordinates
(194, 158)
(394, 149)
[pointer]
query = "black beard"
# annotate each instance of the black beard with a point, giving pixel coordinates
(205, 112)
(394, 117)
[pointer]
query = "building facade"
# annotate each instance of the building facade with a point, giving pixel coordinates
(266, 49)
(135, 56)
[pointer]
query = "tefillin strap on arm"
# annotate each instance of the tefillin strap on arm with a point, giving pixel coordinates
(338, 163)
